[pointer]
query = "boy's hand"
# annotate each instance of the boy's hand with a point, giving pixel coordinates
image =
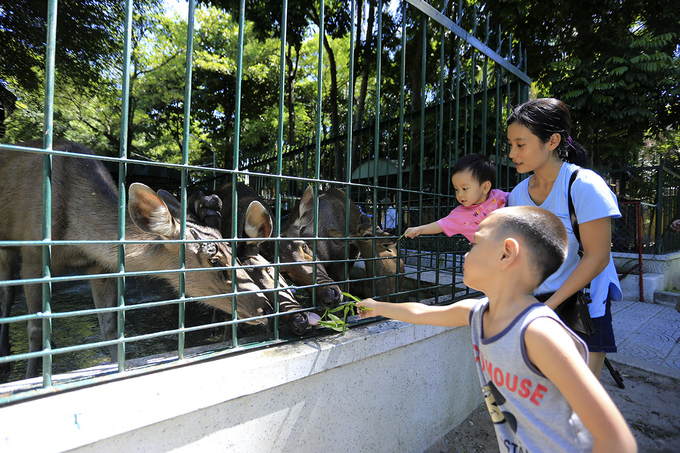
(369, 306)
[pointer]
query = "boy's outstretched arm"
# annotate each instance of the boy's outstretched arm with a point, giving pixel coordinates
(456, 314)
(552, 351)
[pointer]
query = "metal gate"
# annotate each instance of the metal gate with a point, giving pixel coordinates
(389, 152)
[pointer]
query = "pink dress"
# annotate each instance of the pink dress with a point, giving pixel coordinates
(465, 220)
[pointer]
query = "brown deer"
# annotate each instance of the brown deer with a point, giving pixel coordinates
(84, 208)
(295, 256)
(332, 216)
(253, 223)
(382, 262)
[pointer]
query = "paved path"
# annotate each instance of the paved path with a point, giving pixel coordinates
(647, 336)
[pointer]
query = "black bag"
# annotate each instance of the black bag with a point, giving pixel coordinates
(574, 311)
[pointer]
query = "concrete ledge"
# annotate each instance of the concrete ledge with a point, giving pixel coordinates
(668, 298)
(664, 374)
(630, 285)
(382, 387)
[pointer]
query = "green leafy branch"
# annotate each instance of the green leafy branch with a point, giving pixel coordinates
(333, 321)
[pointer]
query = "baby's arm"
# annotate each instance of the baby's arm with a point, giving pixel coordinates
(430, 228)
(457, 314)
(552, 350)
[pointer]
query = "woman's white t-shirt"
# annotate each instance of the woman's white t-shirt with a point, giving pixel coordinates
(592, 200)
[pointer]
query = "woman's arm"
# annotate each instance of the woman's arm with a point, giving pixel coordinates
(457, 314)
(553, 351)
(596, 237)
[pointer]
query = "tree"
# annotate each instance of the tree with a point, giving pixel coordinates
(615, 62)
(88, 40)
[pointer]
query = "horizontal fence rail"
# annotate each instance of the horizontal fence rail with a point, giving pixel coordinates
(187, 260)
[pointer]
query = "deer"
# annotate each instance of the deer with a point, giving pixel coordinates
(332, 216)
(296, 258)
(382, 262)
(85, 208)
(254, 223)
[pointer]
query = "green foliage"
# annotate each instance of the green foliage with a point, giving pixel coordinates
(616, 63)
(333, 321)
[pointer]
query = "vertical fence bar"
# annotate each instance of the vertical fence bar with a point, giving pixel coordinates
(122, 176)
(47, 192)
(319, 133)
(350, 125)
(471, 89)
(638, 230)
(279, 155)
(400, 151)
(659, 209)
(485, 88)
(439, 151)
(234, 180)
(376, 142)
(184, 177)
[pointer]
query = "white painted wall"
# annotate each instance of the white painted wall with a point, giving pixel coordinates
(382, 387)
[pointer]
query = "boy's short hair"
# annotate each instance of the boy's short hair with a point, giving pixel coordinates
(480, 166)
(541, 232)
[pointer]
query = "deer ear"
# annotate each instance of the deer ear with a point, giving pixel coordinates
(258, 223)
(171, 202)
(332, 232)
(150, 213)
(306, 209)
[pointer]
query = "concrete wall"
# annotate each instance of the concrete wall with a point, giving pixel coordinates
(382, 387)
(660, 273)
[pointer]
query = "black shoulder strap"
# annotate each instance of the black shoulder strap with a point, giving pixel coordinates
(572, 212)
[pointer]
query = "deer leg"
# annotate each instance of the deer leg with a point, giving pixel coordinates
(34, 303)
(104, 294)
(7, 265)
(31, 267)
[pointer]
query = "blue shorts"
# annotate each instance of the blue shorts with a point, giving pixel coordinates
(603, 338)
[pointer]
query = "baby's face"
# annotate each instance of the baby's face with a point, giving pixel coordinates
(485, 249)
(469, 191)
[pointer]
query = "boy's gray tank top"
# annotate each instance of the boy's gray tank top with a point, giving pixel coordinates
(529, 413)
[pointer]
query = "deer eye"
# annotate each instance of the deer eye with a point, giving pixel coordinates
(215, 261)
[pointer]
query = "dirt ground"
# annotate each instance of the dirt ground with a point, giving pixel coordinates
(650, 403)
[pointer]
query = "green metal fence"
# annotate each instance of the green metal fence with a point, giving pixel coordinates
(656, 189)
(457, 82)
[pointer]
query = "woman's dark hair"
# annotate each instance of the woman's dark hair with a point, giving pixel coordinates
(545, 117)
(481, 167)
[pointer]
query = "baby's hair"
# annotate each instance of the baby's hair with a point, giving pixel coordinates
(540, 231)
(480, 166)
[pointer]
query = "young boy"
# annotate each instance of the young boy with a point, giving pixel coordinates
(472, 178)
(535, 380)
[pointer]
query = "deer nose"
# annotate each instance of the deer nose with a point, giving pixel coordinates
(330, 297)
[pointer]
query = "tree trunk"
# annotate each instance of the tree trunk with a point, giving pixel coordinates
(363, 90)
(335, 119)
(290, 90)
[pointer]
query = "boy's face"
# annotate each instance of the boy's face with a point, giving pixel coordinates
(469, 191)
(484, 249)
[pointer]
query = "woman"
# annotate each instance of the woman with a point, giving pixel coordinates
(540, 142)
